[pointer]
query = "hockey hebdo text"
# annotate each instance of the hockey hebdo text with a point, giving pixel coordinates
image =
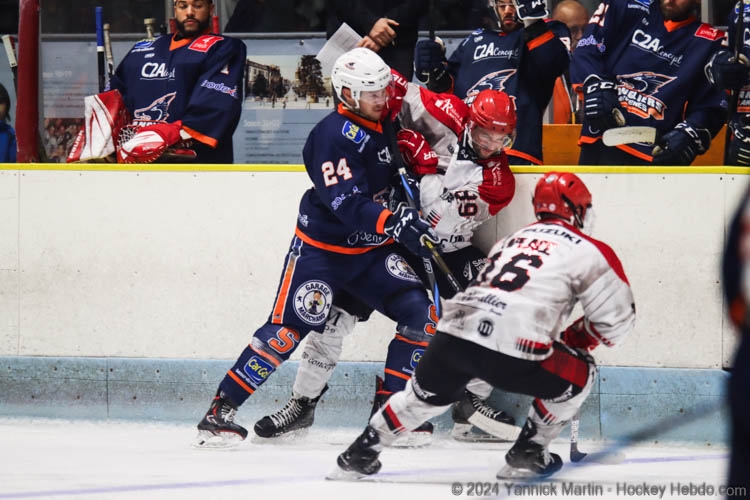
(588, 490)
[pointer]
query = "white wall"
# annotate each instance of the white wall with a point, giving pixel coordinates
(186, 264)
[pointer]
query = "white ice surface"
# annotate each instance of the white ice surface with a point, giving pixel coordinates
(114, 460)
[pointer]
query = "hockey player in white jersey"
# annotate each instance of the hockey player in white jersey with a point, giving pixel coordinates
(505, 329)
(463, 182)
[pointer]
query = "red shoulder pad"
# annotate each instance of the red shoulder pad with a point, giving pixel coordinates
(708, 32)
(448, 109)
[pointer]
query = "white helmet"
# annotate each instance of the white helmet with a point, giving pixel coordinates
(360, 70)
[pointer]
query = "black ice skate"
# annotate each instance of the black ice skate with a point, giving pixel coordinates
(360, 459)
(475, 420)
(416, 438)
(297, 414)
(217, 429)
(528, 459)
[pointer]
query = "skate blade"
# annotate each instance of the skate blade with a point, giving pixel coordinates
(413, 440)
(282, 437)
(504, 432)
(339, 474)
(508, 472)
(470, 434)
(210, 440)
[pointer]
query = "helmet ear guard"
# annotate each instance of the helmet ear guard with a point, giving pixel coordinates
(359, 70)
(562, 195)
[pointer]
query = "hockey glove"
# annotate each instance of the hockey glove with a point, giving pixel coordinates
(417, 154)
(399, 86)
(601, 106)
(726, 72)
(429, 61)
(150, 143)
(681, 145)
(739, 147)
(405, 226)
(529, 10)
(578, 335)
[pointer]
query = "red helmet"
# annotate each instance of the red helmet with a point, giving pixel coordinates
(493, 110)
(564, 195)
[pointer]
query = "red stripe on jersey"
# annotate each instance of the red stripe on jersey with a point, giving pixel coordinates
(391, 419)
(568, 367)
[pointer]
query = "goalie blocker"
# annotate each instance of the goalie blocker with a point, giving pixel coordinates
(109, 135)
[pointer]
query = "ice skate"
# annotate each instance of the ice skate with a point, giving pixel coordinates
(476, 421)
(296, 415)
(528, 459)
(416, 438)
(217, 429)
(360, 459)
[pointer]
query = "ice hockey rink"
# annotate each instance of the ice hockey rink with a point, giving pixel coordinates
(61, 459)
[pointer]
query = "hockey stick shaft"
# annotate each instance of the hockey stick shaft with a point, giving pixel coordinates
(10, 51)
(108, 52)
(98, 11)
(149, 23)
(575, 454)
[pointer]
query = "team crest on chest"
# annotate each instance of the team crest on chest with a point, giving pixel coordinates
(398, 268)
(312, 302)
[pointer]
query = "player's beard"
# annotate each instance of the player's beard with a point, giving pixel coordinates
(672, 12)
(185, 33)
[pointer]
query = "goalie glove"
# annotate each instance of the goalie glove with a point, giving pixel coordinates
(681, 145)
(579, 335)
(406, 227)
(417, 154)
(149, 143)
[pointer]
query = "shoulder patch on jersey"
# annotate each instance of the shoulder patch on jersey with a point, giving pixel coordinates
(353, 132)
(709, 32)
(205, 42)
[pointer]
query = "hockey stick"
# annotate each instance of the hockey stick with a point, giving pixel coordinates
(150, 23)
(575, 454)
(100, 48)
(734, 96)
(629, 135)
(10, 51)
(108, 54)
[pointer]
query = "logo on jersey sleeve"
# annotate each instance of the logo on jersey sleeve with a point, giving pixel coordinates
(312, 302)
(636, 93)
(398, 268)
(203, 43)
(157, 110)
(353, 132)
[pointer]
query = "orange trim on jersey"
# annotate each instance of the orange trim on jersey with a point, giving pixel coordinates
(404, 376)
(275, 362)
(380, 224)
(209, 141)
(412, 342)
(540, 40)
(361, 120)
(277, 316)
(584, 139)
(675, 25)
(176, 44)
(239, 381)
(528, 157)
(335, 248)
(635, 152)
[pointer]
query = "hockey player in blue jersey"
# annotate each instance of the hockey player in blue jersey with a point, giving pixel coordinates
(184, 89)
(732, 73)
(640, 63)
(521, 58)
(343, 242)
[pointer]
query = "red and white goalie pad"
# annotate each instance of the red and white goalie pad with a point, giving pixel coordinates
(104, 117)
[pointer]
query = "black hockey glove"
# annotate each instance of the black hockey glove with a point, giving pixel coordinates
(407, 228)
(396, 195)
(681, 145)
(601, 106)
(739, 147)
(726, 72)
(429, 61)
(529, 10)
